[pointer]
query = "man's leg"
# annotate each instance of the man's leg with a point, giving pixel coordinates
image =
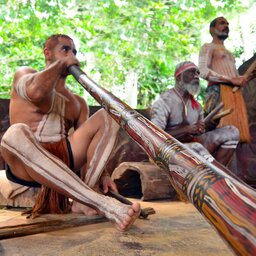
(221, 143)
(100, 148)
(104, 133)
(30, 161)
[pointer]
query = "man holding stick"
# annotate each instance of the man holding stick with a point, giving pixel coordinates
(217, 66)
(179, 114)
(40, 151)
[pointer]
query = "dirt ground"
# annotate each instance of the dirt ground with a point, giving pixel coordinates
(177, 229)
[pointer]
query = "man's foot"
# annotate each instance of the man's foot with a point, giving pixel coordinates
(80, 208)
(132, 213)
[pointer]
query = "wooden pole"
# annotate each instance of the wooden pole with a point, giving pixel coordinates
(226, 202)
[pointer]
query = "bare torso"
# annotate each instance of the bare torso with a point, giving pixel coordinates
(223, 61)
(216, 63)
(53, 122)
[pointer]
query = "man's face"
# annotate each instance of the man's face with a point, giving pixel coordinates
(190, 80)
(221, 29)
(65, 47)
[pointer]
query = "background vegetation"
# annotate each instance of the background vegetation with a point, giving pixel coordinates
(121, 43)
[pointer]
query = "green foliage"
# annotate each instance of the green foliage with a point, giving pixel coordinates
(114, 38)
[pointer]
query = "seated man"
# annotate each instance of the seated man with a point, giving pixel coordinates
(40, 151)
(180, 115)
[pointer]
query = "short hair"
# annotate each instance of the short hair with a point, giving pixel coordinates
(54, 39)
(213, 23)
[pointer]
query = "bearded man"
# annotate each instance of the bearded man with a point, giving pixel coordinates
(179, 114)
(217, 66)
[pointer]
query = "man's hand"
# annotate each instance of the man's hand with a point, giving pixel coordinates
(239, 81)
(67, 62)
(108, 184)
(196, 128)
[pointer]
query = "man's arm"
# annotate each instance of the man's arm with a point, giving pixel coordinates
(187, 132)
(204, 64)
(38, 86)
(159, 114)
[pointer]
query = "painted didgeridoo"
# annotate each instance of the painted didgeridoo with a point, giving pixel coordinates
(227, 202)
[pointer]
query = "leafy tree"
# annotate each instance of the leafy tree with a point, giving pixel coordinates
(115, 37)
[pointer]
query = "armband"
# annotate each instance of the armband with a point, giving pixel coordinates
(21, 87)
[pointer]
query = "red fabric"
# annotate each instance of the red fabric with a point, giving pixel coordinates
(194, 103)
(184, 68)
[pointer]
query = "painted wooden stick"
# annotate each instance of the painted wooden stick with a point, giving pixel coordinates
(227, 203)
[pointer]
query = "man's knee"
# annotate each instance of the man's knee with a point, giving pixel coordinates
(234, 133)
(14, 134)
(200, 150)
(230, 133)
(109, 123)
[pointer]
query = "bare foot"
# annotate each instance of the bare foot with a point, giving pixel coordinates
(80, 208)
(132, 214)
(122, 215)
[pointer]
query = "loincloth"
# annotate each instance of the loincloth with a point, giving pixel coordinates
(61, 149)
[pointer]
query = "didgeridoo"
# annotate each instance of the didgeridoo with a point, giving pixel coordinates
(227, 202)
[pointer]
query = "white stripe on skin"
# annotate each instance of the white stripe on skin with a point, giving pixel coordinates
(20, 141)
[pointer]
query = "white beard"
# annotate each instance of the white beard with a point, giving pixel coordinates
(193, 89)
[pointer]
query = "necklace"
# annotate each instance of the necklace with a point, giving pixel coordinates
(183, 102)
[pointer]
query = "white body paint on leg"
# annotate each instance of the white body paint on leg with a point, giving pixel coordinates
(20, 142)
(102, 151)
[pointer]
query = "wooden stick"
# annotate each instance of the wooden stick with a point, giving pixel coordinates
(35, 227)
(143, 213)
(222, 114)
(213, 112)
(249, 74)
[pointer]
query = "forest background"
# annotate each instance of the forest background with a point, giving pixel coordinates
(130, 47)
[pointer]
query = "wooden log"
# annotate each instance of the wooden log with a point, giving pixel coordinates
(144, 180)
(45, 223)
(226, 202)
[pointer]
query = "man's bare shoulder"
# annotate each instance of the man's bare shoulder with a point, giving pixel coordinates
(208, 45)
(25, 70)
(22, 71)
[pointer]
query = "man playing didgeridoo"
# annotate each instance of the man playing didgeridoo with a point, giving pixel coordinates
(179, 114)
(217, 66)
(39, 149)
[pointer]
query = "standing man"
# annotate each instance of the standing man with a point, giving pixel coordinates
(40, 151)
(217, 66)
(179, 114)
